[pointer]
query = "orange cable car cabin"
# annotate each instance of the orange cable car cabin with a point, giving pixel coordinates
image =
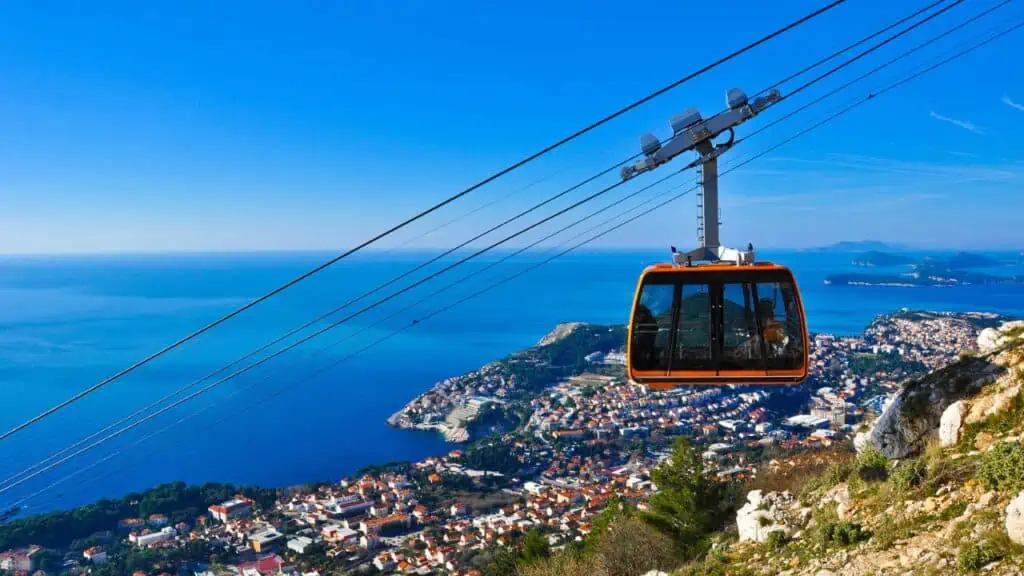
(717, 324)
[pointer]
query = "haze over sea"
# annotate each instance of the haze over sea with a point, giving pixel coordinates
(68, 322)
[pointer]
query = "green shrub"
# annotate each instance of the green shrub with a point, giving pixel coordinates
(953, 511)
(1007, 419)
(840, 534)
(889, 531)
(872, 465)
(1003, 468)
(909, 474)
(776, 540)
(832, 476)
(848, 533)
(976, 557)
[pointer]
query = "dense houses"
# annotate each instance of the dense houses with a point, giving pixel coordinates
(934, 339)
(892, 348)
(19, 560)
(576, 451)
(605, 407)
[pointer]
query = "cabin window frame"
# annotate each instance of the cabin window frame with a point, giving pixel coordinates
(715, 282)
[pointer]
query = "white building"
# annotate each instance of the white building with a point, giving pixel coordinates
(237, 507)
(369, 541)
(96, 554)
(299, 544)
(264, 539)
(165, 534)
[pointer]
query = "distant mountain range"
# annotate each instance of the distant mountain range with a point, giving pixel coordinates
(860, 246)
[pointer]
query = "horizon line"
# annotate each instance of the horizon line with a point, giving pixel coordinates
(380, 250)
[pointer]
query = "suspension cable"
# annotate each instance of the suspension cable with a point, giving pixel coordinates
(7, 483)
(629, 220)
(849, 47)
(880, 67)
(82, 394)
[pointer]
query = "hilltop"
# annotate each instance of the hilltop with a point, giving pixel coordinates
(926, 494)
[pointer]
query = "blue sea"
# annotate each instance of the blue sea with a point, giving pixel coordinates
(68, 322)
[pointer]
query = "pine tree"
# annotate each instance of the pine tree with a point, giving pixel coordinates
(535, 547)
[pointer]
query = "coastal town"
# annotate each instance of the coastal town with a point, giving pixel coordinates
(582, 440)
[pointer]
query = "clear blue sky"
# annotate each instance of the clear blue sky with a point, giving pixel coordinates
(195, 125)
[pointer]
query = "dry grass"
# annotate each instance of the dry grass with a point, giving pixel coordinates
(566, 565)
(630, 547)
(807, 468)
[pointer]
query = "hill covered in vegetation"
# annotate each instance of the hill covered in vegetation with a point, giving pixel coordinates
(952, 503)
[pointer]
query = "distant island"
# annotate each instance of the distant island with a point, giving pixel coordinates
(875, 258)
(951, 270)
(859, 246)
(964, 260)
(922, 275)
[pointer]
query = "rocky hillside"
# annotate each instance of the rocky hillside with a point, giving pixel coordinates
(936, 488)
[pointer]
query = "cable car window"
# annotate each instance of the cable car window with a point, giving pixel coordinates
(652, 325)
(781, 325)
(693, 334)
(741, 341)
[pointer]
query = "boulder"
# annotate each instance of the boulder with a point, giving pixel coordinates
(950, 423)
(990, 339)
(1015, 519)
(762, 515)
(915, 413)
(861, 441)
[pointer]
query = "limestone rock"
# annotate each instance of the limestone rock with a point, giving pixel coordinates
(915, 413)
(988, 339)
(991, 338)
(983, 440)
(843, 510)
(990, 404)
(986, 498)
(839, 494)
(950, 423)
(1015, 519)
(762, 515)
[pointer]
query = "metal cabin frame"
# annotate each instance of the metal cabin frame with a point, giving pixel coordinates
(691, 132)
